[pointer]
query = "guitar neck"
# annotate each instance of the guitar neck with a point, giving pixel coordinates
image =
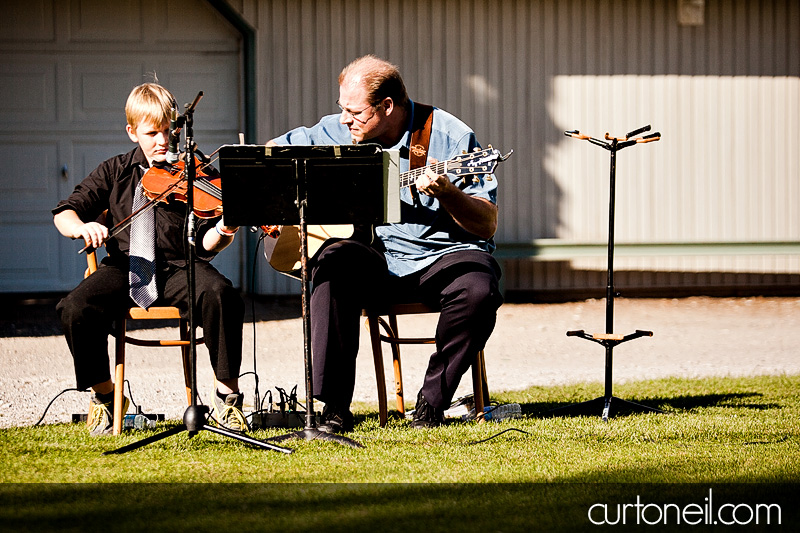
(409, 178)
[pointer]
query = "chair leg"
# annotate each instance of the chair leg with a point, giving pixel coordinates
(398, 371)
(186, 353)
(380, 377)
(485, 382)
(480, 389)
(119, 376)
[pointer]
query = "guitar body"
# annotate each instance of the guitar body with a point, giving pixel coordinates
(283, 252)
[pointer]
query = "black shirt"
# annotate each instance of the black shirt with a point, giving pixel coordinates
(111, 187)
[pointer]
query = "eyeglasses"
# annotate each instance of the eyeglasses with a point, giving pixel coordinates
(355, 114)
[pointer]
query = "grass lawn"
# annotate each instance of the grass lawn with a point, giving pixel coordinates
(737, 436)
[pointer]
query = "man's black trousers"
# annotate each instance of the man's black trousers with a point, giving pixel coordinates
(349, 275)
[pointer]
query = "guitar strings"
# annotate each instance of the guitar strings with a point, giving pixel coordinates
(411, 176)
(408, 178)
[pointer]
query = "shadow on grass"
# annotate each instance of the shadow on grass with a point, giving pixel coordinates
(675, 404)
(362, 507)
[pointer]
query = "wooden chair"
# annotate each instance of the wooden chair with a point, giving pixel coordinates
(375, 321)
(120, 334)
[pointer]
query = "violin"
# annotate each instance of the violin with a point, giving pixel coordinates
(160, 184)
(163, 184)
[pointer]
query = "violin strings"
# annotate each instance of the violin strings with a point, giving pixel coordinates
(208, 187)
(203, 184)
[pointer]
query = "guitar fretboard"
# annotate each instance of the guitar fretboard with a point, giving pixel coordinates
(410, 177)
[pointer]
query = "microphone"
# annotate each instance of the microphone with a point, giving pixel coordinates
(174, 137)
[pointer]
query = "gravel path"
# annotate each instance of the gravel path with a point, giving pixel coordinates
(693, 337)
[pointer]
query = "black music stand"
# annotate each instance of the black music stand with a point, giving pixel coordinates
(609, 339)
(304, 185)
(195, 418)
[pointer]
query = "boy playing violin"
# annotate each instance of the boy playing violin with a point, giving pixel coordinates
(86, 313)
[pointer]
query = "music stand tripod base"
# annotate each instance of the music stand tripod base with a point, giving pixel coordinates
(311, 433)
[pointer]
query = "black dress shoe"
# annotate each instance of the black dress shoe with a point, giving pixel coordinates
(426, 415)
(336, 420)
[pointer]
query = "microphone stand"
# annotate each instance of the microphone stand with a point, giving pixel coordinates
(195, 418)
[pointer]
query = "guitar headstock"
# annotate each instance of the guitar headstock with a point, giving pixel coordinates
(481, 161)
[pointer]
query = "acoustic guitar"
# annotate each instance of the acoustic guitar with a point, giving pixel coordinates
(282, 245)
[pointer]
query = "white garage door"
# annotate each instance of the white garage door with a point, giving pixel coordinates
(66, 69)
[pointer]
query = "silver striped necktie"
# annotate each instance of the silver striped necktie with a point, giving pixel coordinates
(142, 275)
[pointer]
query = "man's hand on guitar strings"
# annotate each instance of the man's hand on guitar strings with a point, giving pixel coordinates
(431, 184)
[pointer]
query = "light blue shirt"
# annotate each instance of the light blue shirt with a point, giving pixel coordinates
(426, 231)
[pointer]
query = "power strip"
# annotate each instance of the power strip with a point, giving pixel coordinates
(78, 418)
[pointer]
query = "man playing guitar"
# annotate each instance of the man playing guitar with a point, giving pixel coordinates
(440, 252)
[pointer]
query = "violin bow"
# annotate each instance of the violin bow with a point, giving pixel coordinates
(130, 218)
(149, 205)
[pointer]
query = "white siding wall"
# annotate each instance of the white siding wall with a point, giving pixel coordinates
(725, 95)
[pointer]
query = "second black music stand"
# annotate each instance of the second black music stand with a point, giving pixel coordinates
(279, 185)
(609, 339)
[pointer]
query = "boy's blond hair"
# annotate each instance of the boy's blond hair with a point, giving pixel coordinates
(149, 102)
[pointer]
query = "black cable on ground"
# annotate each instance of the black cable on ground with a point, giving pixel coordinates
(497, 435)
(256, 395)
(130, 396)
(54, 399)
